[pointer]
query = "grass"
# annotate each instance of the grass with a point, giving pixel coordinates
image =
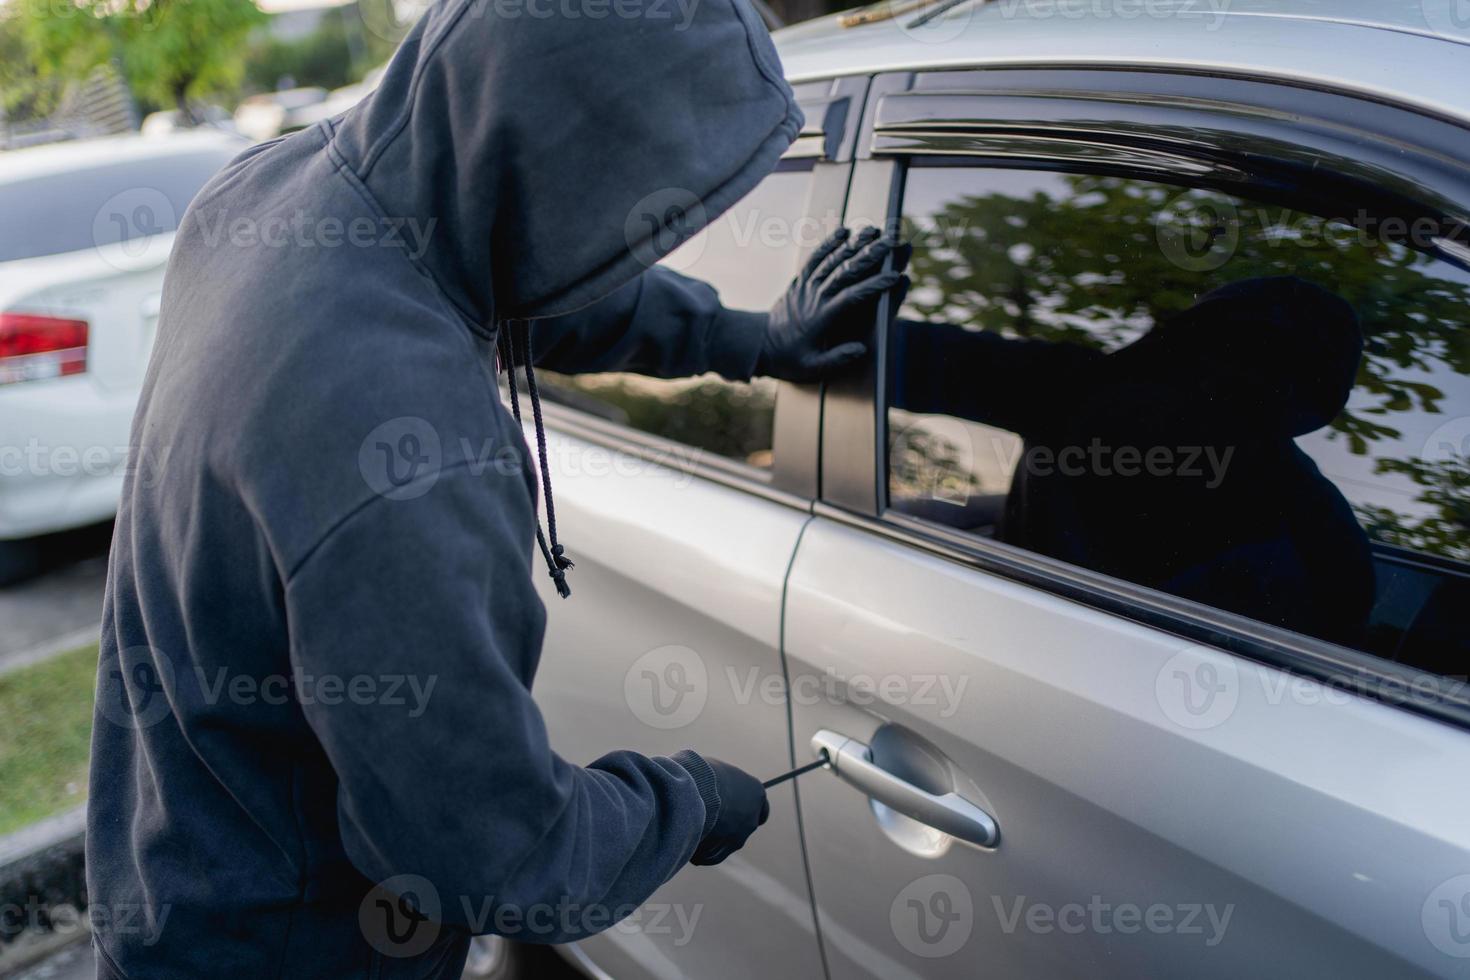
(45, 736)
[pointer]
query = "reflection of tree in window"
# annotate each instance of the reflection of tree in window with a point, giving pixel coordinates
(710, 414)
(1079, 260)
(925, 464)
(1446, 529)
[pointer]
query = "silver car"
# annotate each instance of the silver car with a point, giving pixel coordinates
(1041, 768)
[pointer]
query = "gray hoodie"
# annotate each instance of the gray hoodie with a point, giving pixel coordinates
(315, 751)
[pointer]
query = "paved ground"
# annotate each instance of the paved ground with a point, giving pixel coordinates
(62, 605)
(74, 963)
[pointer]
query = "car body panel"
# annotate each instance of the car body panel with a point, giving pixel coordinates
(1302, 828)
(1142, 771)
(75, 155)
(66, 439)
(1317, 823)
(1394, 55)
(671, 641)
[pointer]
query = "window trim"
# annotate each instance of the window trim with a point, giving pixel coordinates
(854, 461)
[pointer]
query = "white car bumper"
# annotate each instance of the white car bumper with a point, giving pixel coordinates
(63, 453)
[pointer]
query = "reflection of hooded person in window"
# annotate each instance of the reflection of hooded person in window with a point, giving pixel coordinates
(1170, 462)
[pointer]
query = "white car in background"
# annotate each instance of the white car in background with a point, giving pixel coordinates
(88, 227)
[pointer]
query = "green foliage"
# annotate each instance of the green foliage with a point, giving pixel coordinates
(336, 54)
(1445, 529)
(45, 741)
(170, 51)
(23, 93)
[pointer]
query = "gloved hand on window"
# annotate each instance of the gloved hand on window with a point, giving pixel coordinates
(813, 328)
(741, 809)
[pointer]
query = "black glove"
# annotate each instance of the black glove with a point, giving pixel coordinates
(812, 327)
(743, 807)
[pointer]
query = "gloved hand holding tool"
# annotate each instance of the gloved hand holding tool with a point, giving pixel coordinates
(742, 808)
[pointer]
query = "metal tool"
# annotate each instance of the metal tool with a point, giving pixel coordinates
(795, 772)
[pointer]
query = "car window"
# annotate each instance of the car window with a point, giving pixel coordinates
(749, 254)
(1225, 399)
(102, 205)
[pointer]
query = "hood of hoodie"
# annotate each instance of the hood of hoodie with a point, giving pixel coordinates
(1269, 357)
(556, 155)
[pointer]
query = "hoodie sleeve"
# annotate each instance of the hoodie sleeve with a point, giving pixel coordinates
(454, 780)
(1017, 385)
(661, 324)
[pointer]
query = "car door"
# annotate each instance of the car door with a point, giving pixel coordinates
(681, 503)
(1041, 769)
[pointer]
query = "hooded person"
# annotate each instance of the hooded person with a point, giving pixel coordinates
(315, 752)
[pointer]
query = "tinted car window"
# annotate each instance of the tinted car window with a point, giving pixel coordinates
(102, 205)
(1225, 399)
(749, 254)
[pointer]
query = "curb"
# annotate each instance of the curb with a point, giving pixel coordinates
(43, 888)
(51, 648)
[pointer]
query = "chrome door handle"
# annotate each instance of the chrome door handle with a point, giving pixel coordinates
(950, 813)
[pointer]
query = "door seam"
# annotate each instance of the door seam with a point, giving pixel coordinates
(806, 865)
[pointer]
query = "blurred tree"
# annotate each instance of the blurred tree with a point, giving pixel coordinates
(24, 94)
(170, 51)
(337, 53)
(321, 58)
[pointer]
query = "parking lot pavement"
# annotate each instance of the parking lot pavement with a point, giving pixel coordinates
(73, 963)
(60, 607)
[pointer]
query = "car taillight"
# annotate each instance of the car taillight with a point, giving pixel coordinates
(33, 347)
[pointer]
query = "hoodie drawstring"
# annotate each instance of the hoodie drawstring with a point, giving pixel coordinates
(516, 346)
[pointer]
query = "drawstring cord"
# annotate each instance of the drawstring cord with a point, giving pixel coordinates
(513, 347)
